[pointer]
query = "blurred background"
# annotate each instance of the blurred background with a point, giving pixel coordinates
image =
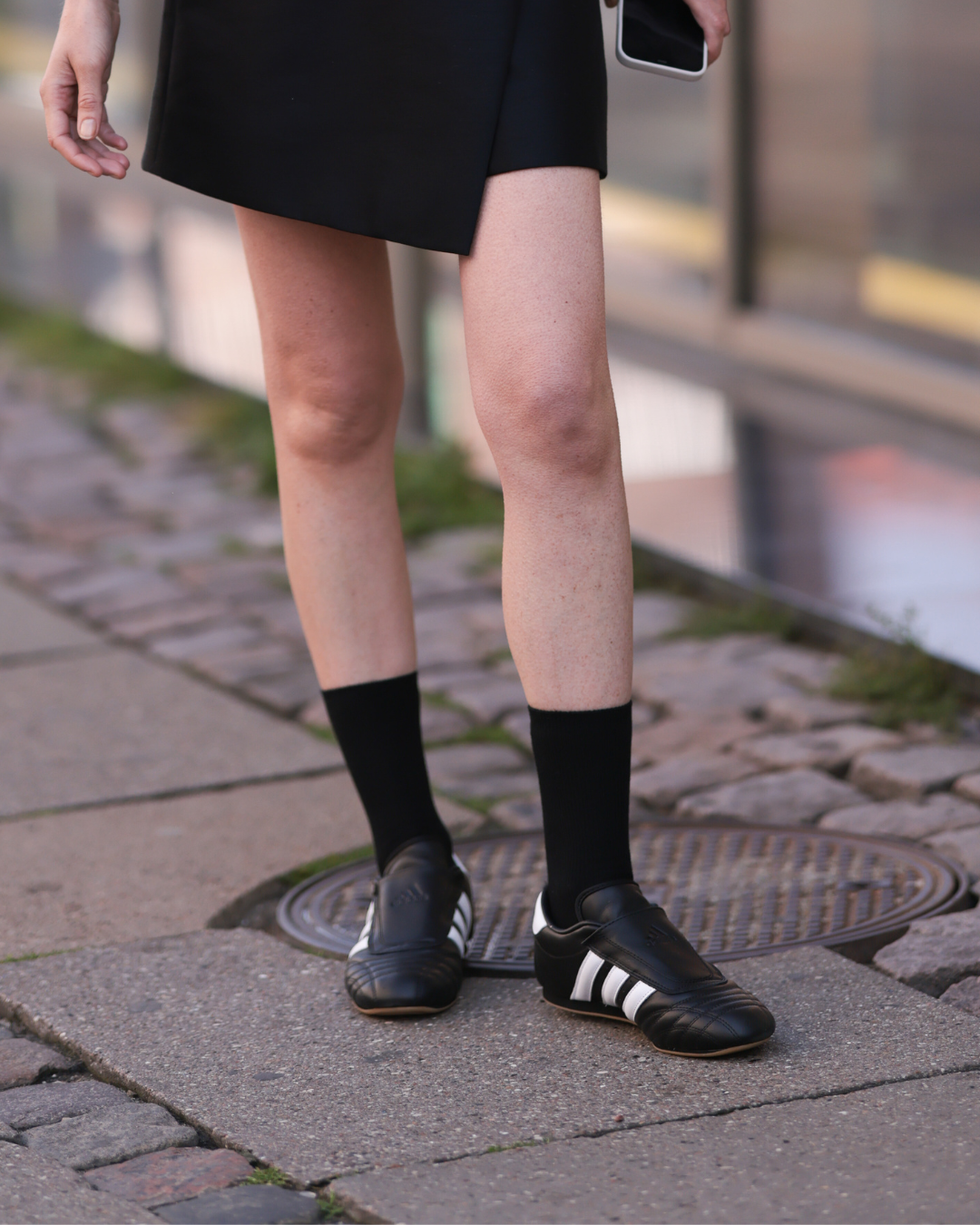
(793, 280)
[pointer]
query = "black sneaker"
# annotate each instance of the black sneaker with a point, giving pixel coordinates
(625, 960)
(409, 956)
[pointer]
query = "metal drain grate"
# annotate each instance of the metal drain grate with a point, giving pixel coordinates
(736, 891)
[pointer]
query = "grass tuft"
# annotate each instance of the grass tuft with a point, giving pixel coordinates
(760, 616)
(435, 492)
(324, 864)
(331, 1207)
(903, 681)
(270, 1176)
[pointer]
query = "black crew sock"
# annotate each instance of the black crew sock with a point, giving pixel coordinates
(378, 728)
(583, 760)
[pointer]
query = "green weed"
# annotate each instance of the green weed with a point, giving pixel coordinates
(903, 681)
(269, 1176)
(331, 1207)
(435, 492)
(760, 616)
(306, 870)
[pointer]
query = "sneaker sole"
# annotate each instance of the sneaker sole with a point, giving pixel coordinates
(413, 1010)
(607, 1016)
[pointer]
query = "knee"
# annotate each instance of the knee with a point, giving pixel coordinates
(562, 419)
(334, 417)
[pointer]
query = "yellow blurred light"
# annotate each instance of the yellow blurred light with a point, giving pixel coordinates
(918, 295)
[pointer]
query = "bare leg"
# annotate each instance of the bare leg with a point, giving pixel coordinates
(334, 376)
(535, 337)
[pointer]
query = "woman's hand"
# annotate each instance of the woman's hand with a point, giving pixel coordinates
(712, 17)
(74, 89)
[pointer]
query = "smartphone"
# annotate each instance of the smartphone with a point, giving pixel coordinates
(661, 36)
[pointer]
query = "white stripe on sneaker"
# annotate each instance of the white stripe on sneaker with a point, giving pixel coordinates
(362, 939)
(587, 971)
(458, 940)
(635, 997)
(466, 906)
(610, 988)
(539, 922)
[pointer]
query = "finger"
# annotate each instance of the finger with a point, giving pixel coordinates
(111, 162)
(109, 136)
(75, 154)
(90, 108)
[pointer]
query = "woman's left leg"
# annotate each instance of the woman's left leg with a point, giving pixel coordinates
(535, 334)
(536, 342)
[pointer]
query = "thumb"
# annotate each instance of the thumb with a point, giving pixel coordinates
(88, 115)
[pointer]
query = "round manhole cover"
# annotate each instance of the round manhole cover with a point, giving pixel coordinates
(735, 891)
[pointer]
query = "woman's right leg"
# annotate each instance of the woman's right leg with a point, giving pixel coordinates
(334, 377)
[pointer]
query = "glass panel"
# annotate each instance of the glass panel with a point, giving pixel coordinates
(660, 229)
(868, 174)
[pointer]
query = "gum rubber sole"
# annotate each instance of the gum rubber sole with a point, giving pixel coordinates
(410, 1011)
(607, 1016)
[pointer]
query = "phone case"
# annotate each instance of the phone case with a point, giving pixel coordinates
(662, 70)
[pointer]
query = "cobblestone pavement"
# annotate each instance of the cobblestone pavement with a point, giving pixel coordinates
(123, 529)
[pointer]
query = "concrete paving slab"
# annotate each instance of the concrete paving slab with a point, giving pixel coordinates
(115, 726)
(258, 1044)
(28, 628)
(902, 1152)
(160, 867)
(40, 1191)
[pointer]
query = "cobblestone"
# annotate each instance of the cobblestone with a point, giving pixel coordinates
(39, 1105)
(109, 1135)
(968, 787)
(830, 748)
(965, 995)
(171, 1175)
(961, 845)
(905, 818)
(935, 953)
(800, 712)
(911, 772)
(23, 1061)
(259, 1205)
(663, 785)
(676, 735)
(791, 797)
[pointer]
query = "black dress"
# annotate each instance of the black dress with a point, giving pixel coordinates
(381, 117)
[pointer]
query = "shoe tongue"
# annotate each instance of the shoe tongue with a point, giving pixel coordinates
(611, 902)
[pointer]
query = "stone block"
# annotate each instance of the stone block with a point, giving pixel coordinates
(193, 647)
(800, 665)
(280, 616)
(656, 613)
(152, 590)
(28, 628)
(518, 723)
(961, 845)
(5, 1031)
(968, 787)
(44, 1192)
(109, 1135)
(259, 660)
(171, 1175)
(901, 1153)
(8, 1134)
(480, 770)
(799, 712)
(442, 723)
(36, 564)
(664, 784)
(254, 1205)
(905, 818)
(675, 735)
(158, 867)
(38, 1105)
(181, 614)
(911, 772)
(696, 677)
(935, 953)
(831, 748)
(487, 699)
(74, 592)
(965, 995)
(112, 726)
(145, 432)
(23, 1061)
(509, 1068)
(791, 797)
(290, 692)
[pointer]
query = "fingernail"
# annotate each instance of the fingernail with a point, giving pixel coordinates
(86, 129)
